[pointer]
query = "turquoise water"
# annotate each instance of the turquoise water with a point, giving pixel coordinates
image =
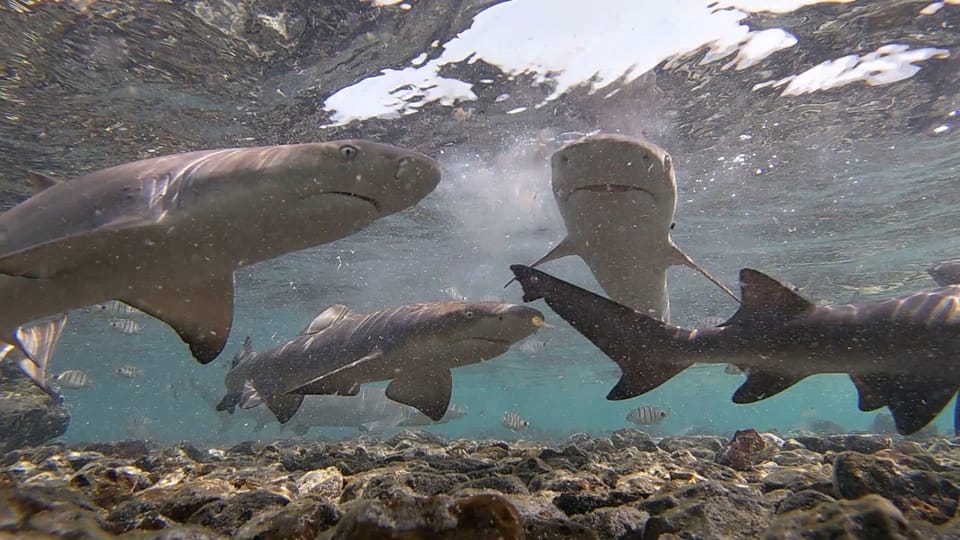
(895, 213)
(846, 191)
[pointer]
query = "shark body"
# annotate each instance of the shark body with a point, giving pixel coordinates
(900, 352)
(165, 235)
(414, 346)
(617, 197)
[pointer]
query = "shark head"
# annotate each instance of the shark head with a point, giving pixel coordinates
(615, 170)
(478, 331)
(385, 178)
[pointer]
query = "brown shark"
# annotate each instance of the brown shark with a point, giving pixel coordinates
(901, 352)
(617, 197)
(165, 235)
(413, 346)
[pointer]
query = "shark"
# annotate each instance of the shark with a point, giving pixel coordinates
(946, 273)
(414, 346)
(617, 197)
(165, 235)
(899, 352)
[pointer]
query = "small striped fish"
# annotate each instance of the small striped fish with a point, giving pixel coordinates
(533, 347)
(73, 379)
(127, 326)
(513, 421)
(114, 307)
(646, 415)
(129, 372)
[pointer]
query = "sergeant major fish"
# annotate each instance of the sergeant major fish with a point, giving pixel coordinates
(413, 346)
(901, 352)
(73, 379)
(647, 415)
(514, 422)
(165, 235)
(617, 197)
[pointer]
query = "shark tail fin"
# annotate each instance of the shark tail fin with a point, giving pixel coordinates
(646, 349)
(34, 348)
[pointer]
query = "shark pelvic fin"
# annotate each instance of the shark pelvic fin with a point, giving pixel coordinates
(681, 258)
(762, 384)
(428, 391)
(913, 401)
(642, 346)
(201, 312)
(564, 249)
(766, 299)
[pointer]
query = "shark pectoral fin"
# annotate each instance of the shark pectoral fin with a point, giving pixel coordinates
(763, 384)
(678, 257)
(201, 312)
(871, 390)
(428, 391)
(341, 381)
(36, 344)
(913, 401)
(645, 348)
(564, 249)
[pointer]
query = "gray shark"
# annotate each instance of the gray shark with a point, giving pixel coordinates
(900, 352)
(165, 235)
(617, 197)
(946, 273)
(413, 346)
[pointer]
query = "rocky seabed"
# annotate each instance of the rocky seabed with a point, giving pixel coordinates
(416, 485)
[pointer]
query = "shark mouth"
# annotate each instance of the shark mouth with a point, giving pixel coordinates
(373, 202)
(612, 188)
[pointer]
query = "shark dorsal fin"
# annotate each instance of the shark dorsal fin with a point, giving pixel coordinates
(40, 181)
(765, 298)
(326, 319)
(245, 353)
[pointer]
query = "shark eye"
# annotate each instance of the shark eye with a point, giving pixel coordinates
(673, 225)
(348, 151)
(468, 314)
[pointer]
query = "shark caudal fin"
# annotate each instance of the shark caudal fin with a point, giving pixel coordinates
(645, 348)
(913, 401)
(33, 349)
